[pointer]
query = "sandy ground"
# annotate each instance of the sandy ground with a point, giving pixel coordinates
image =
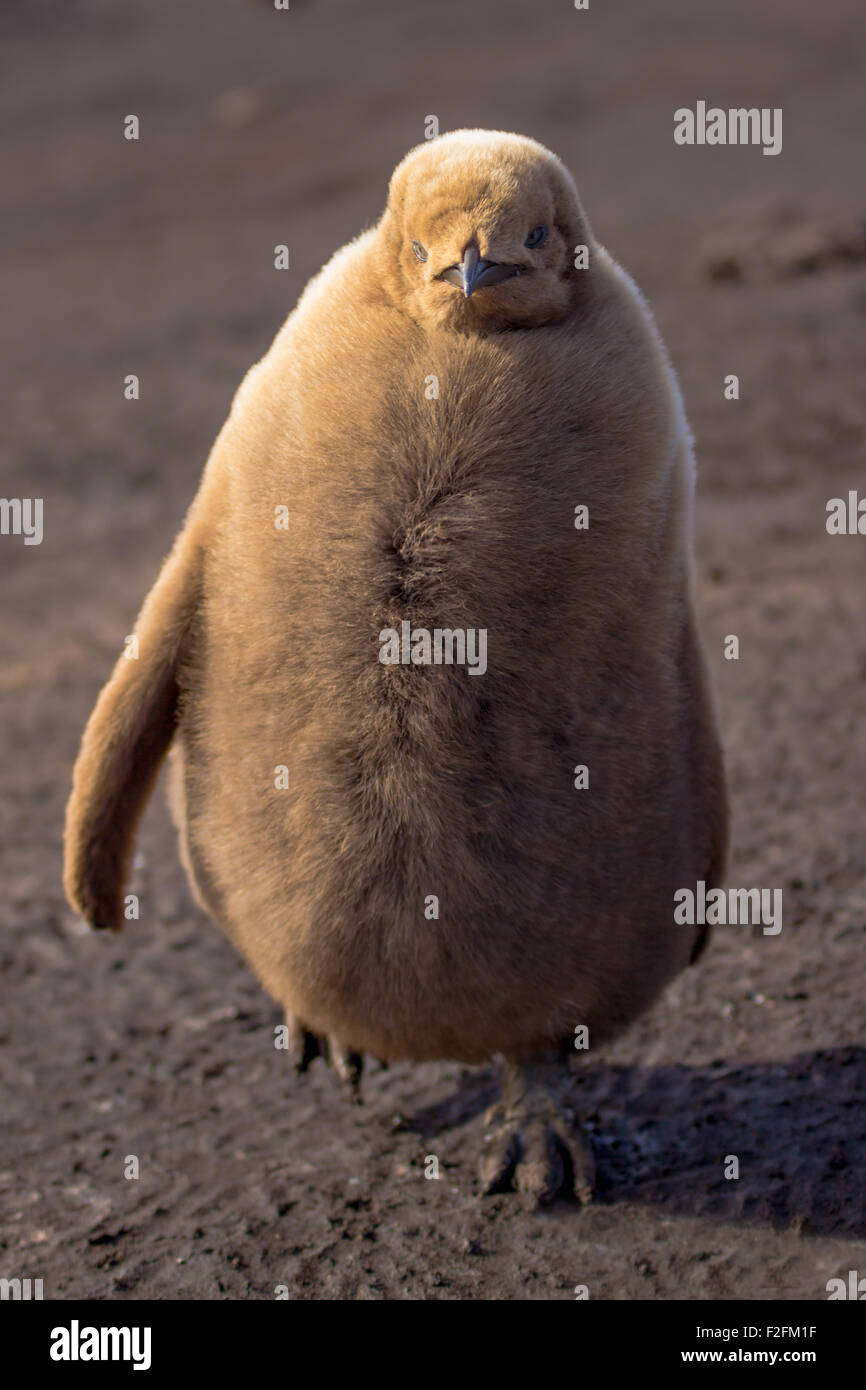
(156, 258)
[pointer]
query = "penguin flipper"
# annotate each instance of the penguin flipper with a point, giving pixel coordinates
(709, 784)
(126, 739)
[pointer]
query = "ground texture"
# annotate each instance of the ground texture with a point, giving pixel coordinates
(157, 258)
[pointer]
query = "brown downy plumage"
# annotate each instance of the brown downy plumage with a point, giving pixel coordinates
(448, 390)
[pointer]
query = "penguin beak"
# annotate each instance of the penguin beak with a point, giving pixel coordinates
(474, 273)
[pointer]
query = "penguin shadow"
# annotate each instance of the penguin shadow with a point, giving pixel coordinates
(775, 1143)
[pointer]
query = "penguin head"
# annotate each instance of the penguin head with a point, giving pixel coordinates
(480, 232)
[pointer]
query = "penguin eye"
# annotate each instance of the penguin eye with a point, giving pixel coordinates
(419, 250)
(536, 237)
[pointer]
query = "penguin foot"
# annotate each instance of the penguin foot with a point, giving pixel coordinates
(532, 1144)
(305, 1047)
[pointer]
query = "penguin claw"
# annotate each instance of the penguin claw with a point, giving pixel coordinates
(500, 1153)
(348, 1067)
(529, 1148)
(305, 1046)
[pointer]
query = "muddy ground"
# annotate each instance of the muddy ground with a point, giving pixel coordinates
(156, 257)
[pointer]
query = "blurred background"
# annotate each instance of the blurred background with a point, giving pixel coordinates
(155, 257)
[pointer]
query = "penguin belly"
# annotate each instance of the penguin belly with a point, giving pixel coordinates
(399, 847)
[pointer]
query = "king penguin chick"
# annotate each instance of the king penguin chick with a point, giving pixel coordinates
(466, 438)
